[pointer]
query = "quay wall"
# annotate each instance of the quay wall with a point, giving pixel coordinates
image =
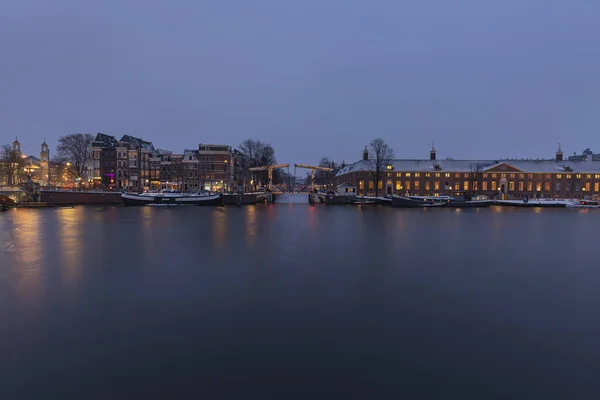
(247, 198)
(73, 198)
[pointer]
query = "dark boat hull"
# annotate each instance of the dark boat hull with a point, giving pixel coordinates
(470, 204)
(137, 200)
(407, 202)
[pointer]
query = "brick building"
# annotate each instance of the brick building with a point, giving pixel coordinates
(216, 167)
(508, 178)
(104, 160)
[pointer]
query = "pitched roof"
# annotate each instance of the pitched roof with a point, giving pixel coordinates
(106, 140)
(137, 142)
(529, 166)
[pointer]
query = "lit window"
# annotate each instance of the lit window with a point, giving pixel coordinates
(503, 176)
(379, 185)
(447, 175)
(547, 186)
(427, 175)
(494, 176)
(427, 186)
(596, 187)
(578, 176)
(466, 185)
(436, 185)
(484, 186)
(437, 175)
(398, 186)
(587, 186)
(361, 185)
(511, 186)
(417, 185)
(475, 186)
(457, 175)
(568, 176)
(530, 176)
(588, 176)
(398, 174)
(494, 185)
(466, 175)
(407, 174)
(520, 186)
(596, 176)
(417, 175)
(538, 186)
(547, 176)
(529, 186)
(407, 184)
(485, 175)
(512, 176)
(457, 186)
(558, 176)
(371, 186)
(388, 167)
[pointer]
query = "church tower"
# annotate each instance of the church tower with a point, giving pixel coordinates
(16, 148)
(45, 163)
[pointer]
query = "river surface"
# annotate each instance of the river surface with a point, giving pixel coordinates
(291, 301)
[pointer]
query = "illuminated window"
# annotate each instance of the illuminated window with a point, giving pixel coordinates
(436, 185)
(529, 186)
(475, 186)
(588, 176)
(389, 183)
(398, 174)
(493, 185)
(484, 186)
(512, 176)
(407, 184)
(578, 176)
(547, 186)
(417, 185)
(503, 176)
(466, 175)
(568, 176)
(494, 176)
(596, 176)
(558, 176)
(485, 175)
(388, 167)
(361, 185)
(596, 187)
(547, 176)
(511, 186)
(427, 186)
(398, 186)
(437, 175)
(538, 186)
(407, 174)
(427, 175)
(466, 185)
(379, 185)
(457, 175)
(520, 186)
(447, 175)
(371, 186)
(587, 186)
(417, 175)
(530, 176)
(457, 186)
(521, 176)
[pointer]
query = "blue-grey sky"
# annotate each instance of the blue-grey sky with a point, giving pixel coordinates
(482, 79)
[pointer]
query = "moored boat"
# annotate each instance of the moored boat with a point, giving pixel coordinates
(419, 201)
(474, 201)
(173, 199)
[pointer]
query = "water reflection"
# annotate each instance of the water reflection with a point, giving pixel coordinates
(28, 268)
(250, 225)
(69, 221)
(219, 228)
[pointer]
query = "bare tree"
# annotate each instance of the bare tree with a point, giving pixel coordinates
(380, 155)
(475, 177)
(257, 154)
(75, 149)
(10, 165)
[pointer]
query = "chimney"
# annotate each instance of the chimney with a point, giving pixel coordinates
(590, 157)
(559, 154)
(365, 154)
(432, 153)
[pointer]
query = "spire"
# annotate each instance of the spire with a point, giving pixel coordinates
(365, 154)
(432, 153)
(559, 153)
(16, 140)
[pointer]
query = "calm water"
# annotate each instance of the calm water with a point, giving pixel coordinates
(291, 301)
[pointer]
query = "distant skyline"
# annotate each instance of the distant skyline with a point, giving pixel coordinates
(481, 79)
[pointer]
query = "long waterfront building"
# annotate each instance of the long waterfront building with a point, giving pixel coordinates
(507, 178)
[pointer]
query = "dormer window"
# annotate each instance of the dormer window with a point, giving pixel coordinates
(389, 167)
(437, 167)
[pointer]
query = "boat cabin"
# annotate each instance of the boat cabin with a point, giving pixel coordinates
(346, 189)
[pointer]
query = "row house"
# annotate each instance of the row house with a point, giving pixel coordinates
(171, 171)
(216, 167)
(103, 160)
(508, 178)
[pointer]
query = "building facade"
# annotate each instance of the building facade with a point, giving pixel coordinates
(496, 178)
(103, 160)
(216, 168)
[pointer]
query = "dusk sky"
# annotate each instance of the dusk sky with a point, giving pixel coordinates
(481, 79)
